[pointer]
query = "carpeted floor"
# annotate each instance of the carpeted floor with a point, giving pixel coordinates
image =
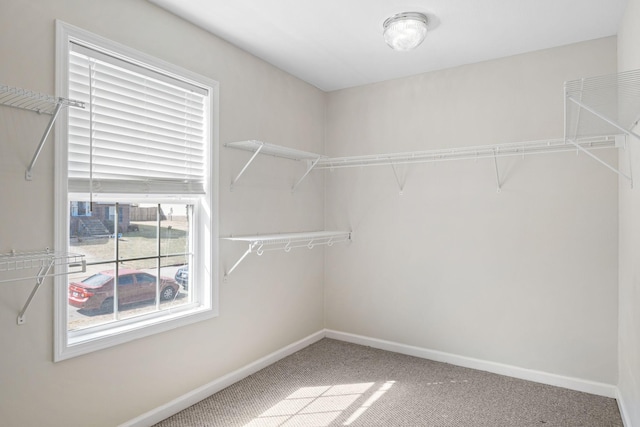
(333, 383)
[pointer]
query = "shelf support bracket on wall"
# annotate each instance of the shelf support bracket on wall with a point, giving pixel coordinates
(252, 246)
(255, 154)
(312, 165)
(400, 184)
(47, 131)
(613, 100)
(604, 118)
(495, 163)
(40, 103)
(44, 272)
(605, 164)
(44, 261)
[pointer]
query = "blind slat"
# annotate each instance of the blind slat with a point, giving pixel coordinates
(138, 134)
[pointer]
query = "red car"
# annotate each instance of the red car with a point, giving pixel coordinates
(96, 292)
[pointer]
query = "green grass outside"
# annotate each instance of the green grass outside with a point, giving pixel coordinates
(138, 244)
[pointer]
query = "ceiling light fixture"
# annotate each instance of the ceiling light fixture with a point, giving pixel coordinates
(405, 31)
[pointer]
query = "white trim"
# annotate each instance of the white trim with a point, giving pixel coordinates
(61, 234)
(156, 415)
(586, 386)
(205, 232)
(626, 420)
(183, 402)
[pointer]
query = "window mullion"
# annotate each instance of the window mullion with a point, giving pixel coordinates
(159, 254)
(91, 134)
(116, 282)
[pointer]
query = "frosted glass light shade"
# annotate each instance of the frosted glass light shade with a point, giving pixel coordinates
(405, 31)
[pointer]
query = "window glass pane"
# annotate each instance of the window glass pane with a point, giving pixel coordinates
(149, 295)
(139, 295)
(179, 271)
(90, 233)
(176, 246)
(174, 234)
(152, 240)
(139, 235)
(91, 297)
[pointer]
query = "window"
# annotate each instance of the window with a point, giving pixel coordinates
(135, 193)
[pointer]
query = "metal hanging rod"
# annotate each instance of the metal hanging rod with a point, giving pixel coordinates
(45, 262)
(286, 242)
(40, 103)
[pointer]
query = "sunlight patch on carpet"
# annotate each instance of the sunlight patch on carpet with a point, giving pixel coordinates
(319, 406)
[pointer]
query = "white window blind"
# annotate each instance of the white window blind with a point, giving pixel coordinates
(142, 132)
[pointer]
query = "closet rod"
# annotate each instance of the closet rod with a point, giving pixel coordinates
(286, 241)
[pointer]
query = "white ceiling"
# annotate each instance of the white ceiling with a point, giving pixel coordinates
(334, 44)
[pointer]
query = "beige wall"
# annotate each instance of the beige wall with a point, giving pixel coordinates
(526, 277)
(629, 329)
(268, 302)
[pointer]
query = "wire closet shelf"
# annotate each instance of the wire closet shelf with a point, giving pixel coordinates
(287, 241)
(597, 109)
(608, 104)
(47, 263)
(33, 101)
(318, 161)
(602, 105)
(260, 147)
(465, 153)
(40, 103)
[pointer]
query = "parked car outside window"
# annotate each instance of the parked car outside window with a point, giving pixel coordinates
(182, 276)
(95, 293)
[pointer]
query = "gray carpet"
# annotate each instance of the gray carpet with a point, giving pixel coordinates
(333, 383)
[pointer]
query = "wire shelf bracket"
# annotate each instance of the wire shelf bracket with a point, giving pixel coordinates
(399, 181)
(495, 163)
(259, 147)
(41, 104)
(286, 241)
(45, 262)
(608, 104)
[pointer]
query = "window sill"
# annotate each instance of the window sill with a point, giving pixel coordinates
(84, 342)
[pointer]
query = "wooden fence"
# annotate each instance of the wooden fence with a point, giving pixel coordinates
(145, 214)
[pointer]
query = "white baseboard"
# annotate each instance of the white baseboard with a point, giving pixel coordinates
(171, 408)
(156, 415)
(577, 384)
(626, 421)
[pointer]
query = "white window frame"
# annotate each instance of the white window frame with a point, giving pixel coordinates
(205, 230)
